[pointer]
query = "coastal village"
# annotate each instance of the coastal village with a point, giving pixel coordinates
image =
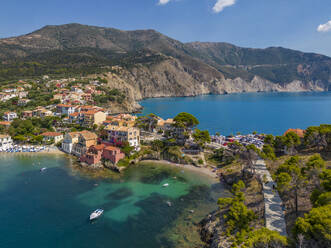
(79, 127)
(75, 116)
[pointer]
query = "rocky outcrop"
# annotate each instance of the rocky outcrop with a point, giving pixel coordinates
(170, 78)
(212, 230)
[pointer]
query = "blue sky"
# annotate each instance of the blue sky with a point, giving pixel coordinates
(247, 23)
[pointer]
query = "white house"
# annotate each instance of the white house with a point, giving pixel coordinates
(52, 137)
(9, 90)
(65, 109)
(9, 116)
(69, 140)
(5, 142)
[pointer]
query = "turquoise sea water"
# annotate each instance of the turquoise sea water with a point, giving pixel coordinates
(263, 112)
(51, 208)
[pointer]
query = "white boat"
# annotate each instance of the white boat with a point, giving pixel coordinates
(165, 185)
(169, 204)
(96, 214)
(43, 169)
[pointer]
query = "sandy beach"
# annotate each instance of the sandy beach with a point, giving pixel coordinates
(203, 170)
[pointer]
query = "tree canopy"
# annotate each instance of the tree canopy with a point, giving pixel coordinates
(186, 120)
(201, 137)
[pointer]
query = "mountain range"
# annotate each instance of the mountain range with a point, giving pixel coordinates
(150, 64)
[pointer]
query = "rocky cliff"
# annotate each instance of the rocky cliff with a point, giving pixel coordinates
(170, 78)
(145, 63)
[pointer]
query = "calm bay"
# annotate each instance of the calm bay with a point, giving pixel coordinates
(262, 112)
(51, 208)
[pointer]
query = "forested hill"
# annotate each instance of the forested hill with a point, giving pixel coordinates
(217, 67)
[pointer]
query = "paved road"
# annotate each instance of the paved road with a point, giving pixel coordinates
(274, 215)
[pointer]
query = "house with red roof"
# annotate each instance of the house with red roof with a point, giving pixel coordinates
(98, 152)
(52, 137)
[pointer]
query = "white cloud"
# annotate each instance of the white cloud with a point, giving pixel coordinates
(163, 2)
(221, 4)
(324, 27)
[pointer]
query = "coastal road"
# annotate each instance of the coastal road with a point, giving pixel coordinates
(274, 214)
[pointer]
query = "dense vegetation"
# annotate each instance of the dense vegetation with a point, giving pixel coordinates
(93, 49)
(30, 130)
(303, 175)
(239, 222)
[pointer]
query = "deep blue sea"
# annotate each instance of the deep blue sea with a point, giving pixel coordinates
(51, 208)
(262, 112)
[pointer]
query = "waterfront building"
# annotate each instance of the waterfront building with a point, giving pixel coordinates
(114, 154)
(5, 142)
(52, 137)
(93, 154)
(86, 139)
(119, 135)
(98, 152)
(69, 140)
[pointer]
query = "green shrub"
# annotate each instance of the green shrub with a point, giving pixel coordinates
(316, 225)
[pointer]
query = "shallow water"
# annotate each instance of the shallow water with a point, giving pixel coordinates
(263, 112)
(51, 209)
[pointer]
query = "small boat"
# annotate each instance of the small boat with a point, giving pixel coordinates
(165, 185)
(96, 214)
(43, 169)
(169, 204)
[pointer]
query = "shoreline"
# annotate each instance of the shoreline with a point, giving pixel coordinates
(203, 170)
(46, 151)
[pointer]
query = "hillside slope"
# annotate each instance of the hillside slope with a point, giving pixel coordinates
(155, 65)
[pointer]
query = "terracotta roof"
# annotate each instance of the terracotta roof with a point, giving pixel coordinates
(91, 112)
(299, 132)
(120, 128)
(65, 105)
(87, 107)
(51, 134)
(74, 134)
(5, 123)
(88, 135)
(4, 136)
(99, 147)
(74, 114)
(112, 148)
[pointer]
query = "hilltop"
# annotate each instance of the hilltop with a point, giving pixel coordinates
(154, 65)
